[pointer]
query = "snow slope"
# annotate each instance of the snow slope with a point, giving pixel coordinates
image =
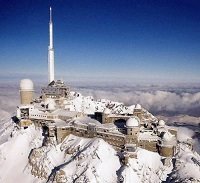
(14, 155)
(78, 159)
(24, 158)
(146, 168)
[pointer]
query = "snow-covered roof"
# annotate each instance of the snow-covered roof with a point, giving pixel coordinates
(51, 103)
(26, 106)
(87, 120)
(130, 109)
(148, 136)
(106, 111)
(138, 106)
(60, 123)
(109, 126)
(37, 111)
(118, 116)
(63, 112)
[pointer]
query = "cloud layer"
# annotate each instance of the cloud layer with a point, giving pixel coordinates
(178, 101)
(156, 99)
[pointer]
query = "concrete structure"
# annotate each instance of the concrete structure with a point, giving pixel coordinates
(56, 90)
(26, 91)
(51, 50)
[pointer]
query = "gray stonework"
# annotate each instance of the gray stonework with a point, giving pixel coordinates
(130, 135)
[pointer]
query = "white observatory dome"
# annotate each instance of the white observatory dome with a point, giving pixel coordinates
(167, 136)
(133, 122)
(138, 106)
(26, 84)
(161, 123)
(107, 111)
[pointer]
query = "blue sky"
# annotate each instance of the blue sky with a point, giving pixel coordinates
(137, 40)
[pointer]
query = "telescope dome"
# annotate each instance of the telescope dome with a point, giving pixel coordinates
(161, 123)
(132, 122)
(26, 84)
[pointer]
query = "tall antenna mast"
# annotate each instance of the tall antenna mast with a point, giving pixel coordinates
(50, 50)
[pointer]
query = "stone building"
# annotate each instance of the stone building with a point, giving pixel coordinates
(56, 89)
(136, 128)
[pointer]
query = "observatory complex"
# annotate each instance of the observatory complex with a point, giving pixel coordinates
(58, 111)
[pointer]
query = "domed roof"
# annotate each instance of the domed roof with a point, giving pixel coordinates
(167, 136)
(161, 123)
(26, 84)
(106, 111)
(133, 122)
(138, 106)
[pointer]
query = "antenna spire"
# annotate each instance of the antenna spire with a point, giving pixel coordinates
(51, 50)
(50, 14)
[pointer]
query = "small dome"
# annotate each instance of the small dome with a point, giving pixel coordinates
(161, 123)
(167, 136)
(26, 84)
(133, 122)
(106, 111)
(138, 106)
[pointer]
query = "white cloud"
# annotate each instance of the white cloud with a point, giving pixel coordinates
(166, 100)
(156, 101)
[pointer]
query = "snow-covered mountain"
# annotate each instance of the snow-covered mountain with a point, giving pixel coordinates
(26, 156)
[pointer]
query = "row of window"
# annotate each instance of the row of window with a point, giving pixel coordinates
(38, 115)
